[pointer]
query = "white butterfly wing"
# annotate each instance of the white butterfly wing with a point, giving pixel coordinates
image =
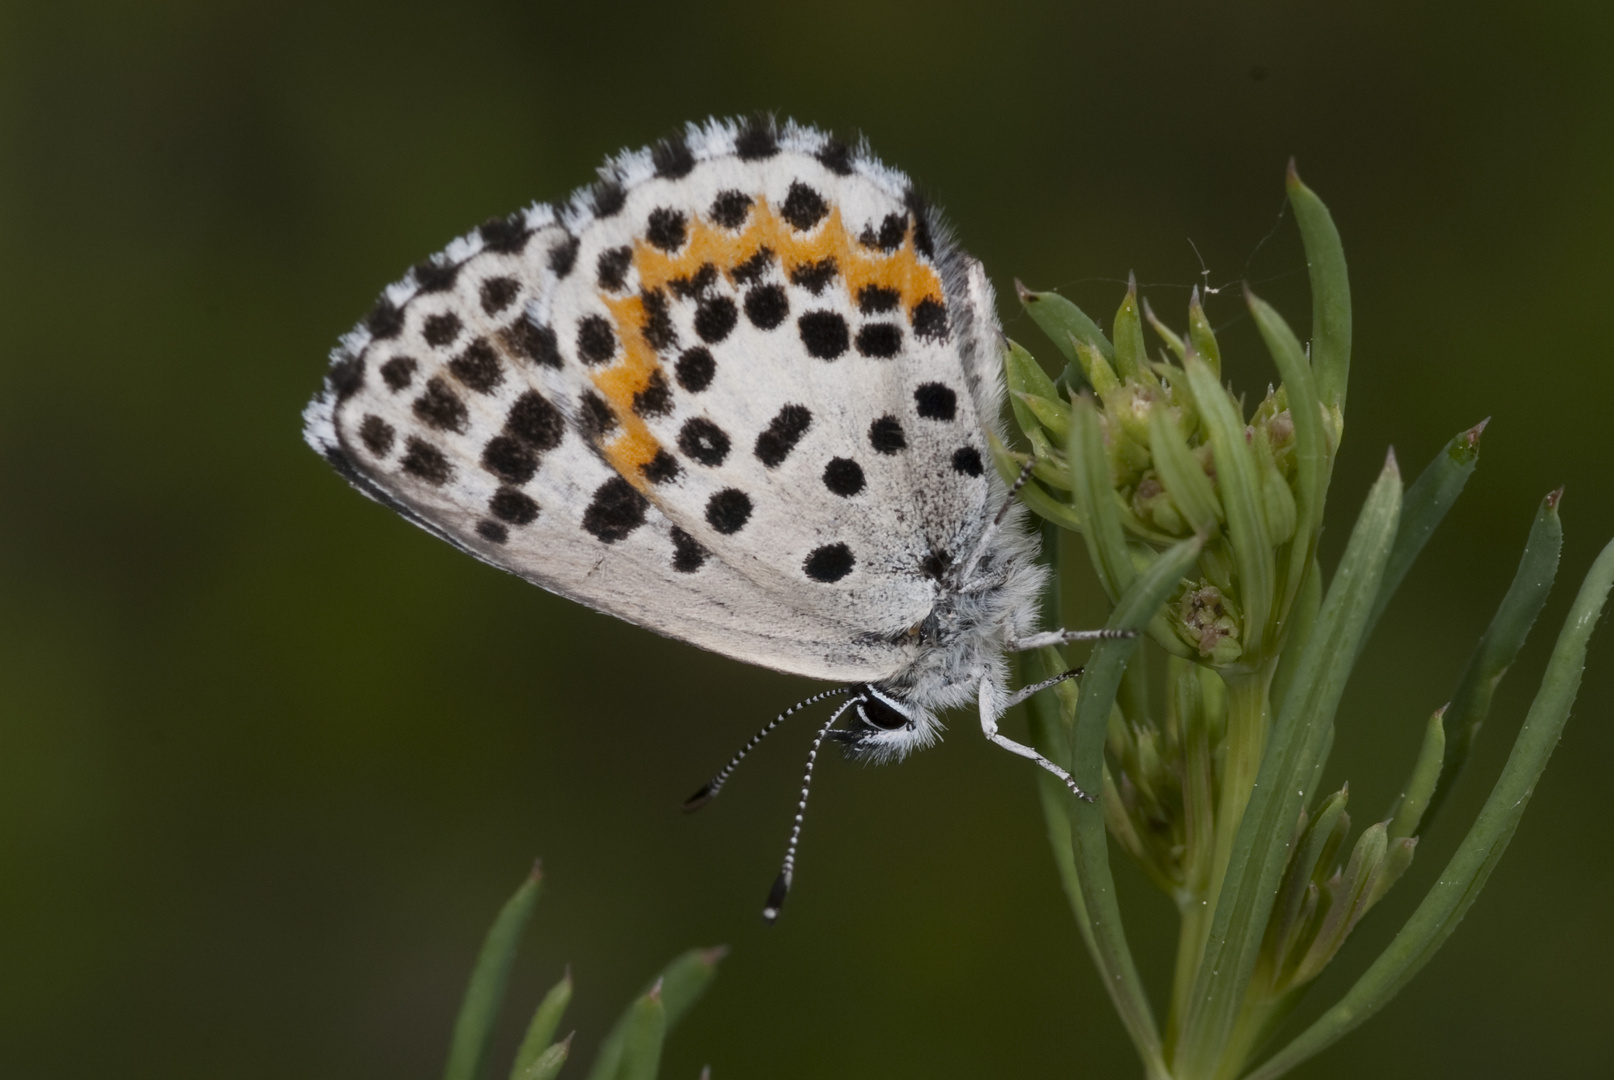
(733, 393)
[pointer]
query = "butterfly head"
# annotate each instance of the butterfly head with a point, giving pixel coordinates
(884, 727)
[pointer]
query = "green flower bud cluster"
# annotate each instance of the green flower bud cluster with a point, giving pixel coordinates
(1178, 460)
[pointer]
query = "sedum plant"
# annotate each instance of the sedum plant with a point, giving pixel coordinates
(1201, 521)
(630, 1051)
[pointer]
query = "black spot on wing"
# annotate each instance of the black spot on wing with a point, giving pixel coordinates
(377, 435)
(715, 317)
(930, 320)
(563, 256)
(814, 276)
(615, 511)
(611, 270)
(730, 209)
(398, 373)
(803, 207)
(728, 510)
(497, 293)
(516, 507)
(656, 398)
(662, 468)
(534, 419)
(880, 340)
(824, 334)
(784, 431)
(536, 343)
(478, 367)
(695, 369)
(596, 341)
(440, 408)
(345, 376)
(424, 461)
(667, 228)
(751, 270)
(967, 461)
(874, 299)
(510, 459)
(829, 563)
(441, 329)
(688, 555)
(886, 435)
(704, 441)
(935, 401)
(844, 477)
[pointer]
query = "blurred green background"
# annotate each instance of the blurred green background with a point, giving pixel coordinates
(270, 759)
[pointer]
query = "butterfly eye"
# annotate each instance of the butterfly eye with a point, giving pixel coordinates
(877, 712)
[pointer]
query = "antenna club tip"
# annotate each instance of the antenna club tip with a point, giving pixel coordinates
(699, 799)
(776, 897)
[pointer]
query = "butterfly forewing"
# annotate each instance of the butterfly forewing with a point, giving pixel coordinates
(726, 393)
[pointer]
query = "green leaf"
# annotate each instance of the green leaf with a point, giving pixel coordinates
(547, 1065)
(1021, 372)
(1102, 678)
(1311, 444)
(1302, 729)
(542, 1028)
(646, 1031)
(1239, 477)
(1330, 293)
(1091, 492)
(1471, 701)
(1173, 342)
(1460, 882)
(473, 1029)
(1190, 489)
(1201, 337)
(1061, 320)
(1425, 505)
(681, 984)
(1421, 783)
(1131, 356)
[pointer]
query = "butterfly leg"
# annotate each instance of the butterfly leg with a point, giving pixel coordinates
(1065, 637)
(991, 709)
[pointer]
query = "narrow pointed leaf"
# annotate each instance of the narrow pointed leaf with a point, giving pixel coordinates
(1202, 337)
(548, 1063)
(1061, 320)
(1299, 734)
(1330, 293)
(1421, 783)
(647, 1030)
(1130, 353)
(1173, 342)
(1427, 500)
(1311, 444)
(541, 1031)
(1471, 701)
(1102, 678)
(1091, 493)
(681, 983)
(473, 1029)
(1460, 882)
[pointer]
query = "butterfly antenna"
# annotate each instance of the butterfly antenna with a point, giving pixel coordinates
(781, 884)
(967, 567)
(709, 790)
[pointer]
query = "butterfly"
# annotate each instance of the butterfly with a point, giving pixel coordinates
(737, 391)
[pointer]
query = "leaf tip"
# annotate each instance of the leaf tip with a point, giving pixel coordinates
(1026, 295)
(1291, 175)
(713, 956)
(654, 993)
(1554, 497)
(1391, 468)
(536, 874)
